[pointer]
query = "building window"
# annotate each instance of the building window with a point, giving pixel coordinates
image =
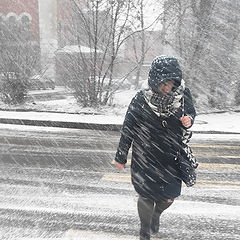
(25, 31)
(11, 28)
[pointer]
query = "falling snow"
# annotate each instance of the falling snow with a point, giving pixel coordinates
(58, 181)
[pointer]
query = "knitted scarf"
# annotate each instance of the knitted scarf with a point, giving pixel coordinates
(165, 105)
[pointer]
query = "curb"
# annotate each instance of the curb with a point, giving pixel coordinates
(82, 125)
(62, 124)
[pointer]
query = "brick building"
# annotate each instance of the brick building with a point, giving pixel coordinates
(49, 24)
(21, 12)
(46, 24)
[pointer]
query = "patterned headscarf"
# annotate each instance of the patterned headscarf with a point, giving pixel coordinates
(165, 105)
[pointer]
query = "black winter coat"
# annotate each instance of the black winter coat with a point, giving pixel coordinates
(155, 144)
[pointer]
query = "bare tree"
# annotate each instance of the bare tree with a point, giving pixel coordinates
(146, 35)
(205, 35)
(100, 26)
(104, 26)
(139, 55)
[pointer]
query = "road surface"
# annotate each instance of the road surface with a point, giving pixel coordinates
(61, 184)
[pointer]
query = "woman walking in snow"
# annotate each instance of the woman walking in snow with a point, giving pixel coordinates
(154, 125)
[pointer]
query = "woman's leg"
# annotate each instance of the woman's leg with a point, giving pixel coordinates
(160, 206)
(145, 210)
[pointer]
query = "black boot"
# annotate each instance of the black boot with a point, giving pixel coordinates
(144, 235)
(158, 209)
(145, 209)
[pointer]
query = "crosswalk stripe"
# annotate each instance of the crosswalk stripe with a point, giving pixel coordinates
(73, 234)
(219, 166)
(26, 238)
(126, 178)
(210, 166)
(194, 145)
(216, 155)
(219, 146)
(218, 183)
(116, 177)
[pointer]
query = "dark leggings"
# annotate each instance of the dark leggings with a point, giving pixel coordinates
(148, 211)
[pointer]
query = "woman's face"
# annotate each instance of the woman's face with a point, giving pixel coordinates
(166, 87)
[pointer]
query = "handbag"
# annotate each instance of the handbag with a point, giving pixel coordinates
(188, 150)
(186, 161)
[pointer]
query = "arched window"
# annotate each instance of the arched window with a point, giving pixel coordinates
(25, 20)
(25, 15)
(12, 28)
(25, 31)
(1, 27)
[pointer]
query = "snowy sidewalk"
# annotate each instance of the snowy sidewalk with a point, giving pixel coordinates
(205, 123)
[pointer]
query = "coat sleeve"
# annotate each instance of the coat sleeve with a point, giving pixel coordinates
(127, 133)
(188, 105)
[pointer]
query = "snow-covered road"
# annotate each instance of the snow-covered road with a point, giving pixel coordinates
(59, 183)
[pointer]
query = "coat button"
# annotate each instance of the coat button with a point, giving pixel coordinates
(164, 123)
